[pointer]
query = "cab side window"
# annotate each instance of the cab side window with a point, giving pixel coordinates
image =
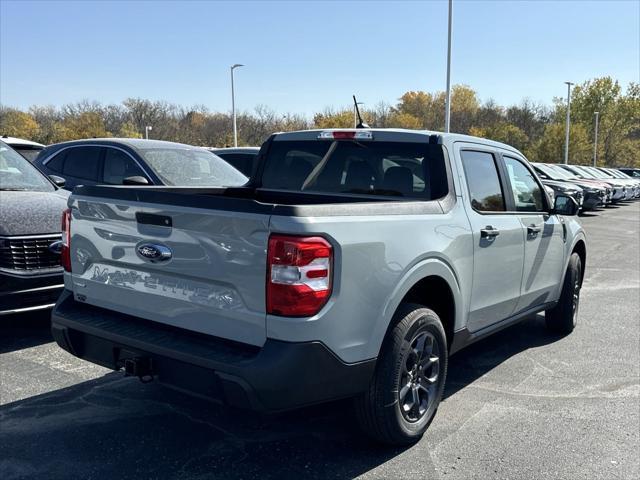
(484, 183)
(82, 162)
(527, 193)
(118, 166)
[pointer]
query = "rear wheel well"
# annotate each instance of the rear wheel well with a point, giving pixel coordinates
(433, 292)
(581, 249)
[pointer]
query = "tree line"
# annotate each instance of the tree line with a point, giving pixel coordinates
(537, 130)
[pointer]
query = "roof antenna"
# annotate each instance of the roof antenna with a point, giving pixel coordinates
(360, 124)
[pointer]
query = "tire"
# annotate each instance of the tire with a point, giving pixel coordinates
(383, 410)
(564, 316)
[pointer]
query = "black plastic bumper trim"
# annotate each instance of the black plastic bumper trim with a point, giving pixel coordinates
(278, 376)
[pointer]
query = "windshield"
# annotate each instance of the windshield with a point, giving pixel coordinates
(598, 173)
(550, 172)
(561, 172)
(399, 169)
(192, 167)
(583, 172)
(615, 174)
(16, 173)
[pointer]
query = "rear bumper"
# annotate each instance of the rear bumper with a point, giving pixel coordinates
(23, 293)
(278, 376)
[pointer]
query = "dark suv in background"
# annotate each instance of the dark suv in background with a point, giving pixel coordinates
(117, 161)
(630, 171)
(242, 158)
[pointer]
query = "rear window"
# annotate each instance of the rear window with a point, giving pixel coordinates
(396, 169)
(30, 153)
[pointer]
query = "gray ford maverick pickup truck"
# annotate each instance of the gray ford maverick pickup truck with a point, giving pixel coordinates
(352, 264)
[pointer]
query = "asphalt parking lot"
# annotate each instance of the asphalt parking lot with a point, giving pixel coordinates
(522, 404)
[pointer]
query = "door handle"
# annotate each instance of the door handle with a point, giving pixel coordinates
(489, 232)
(533, 229)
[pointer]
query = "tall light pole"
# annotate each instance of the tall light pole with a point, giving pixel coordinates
(147, 129)
(233, 105)
(566, 136)
(595, 139)
(355, 114)
(447, 107)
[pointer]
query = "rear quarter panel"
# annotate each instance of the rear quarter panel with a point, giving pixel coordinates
(377, 259)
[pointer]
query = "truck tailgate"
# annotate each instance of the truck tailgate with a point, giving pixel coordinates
(201, 269)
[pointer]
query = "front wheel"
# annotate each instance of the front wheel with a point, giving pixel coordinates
(407, 386)
(563, 318)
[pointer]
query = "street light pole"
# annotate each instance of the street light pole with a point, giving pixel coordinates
(233, 105)
(566, 138)
(146, 131)
(447, 108)
(595, 140)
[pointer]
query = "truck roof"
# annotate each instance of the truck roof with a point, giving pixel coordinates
(395, 134)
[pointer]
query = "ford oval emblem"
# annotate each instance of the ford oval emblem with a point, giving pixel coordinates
(56, 247)
(154, 252)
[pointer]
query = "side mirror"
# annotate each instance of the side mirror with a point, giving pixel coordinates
(565, 205)
(58, 181)
(135, 180)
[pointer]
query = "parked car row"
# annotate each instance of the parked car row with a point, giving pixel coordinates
(591, 187)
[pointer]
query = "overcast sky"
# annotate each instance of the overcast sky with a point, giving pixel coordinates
(301, 57)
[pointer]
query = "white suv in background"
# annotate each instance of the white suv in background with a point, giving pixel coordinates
(26, 148)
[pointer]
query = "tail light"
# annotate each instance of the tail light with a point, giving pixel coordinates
(65, 252)
(298, 275)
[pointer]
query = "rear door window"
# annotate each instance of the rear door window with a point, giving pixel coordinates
(481, 172)
(396, 169)
(83, 163)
